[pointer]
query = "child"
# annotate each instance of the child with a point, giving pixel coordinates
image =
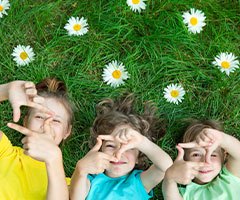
(204, 162)
(111, 169)
(36, 171)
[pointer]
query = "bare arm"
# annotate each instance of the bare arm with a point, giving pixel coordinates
(57, 186)
(94, 162)
(170, 190)
(4, 92)
(80, 185)
(161, 162)
(232, 146)
(41, 146)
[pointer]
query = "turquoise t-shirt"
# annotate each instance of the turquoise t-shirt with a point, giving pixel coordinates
(225, 186)
(121, 188)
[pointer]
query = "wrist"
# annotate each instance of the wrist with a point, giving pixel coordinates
(80, 169)
(55, 158)
(4, 89)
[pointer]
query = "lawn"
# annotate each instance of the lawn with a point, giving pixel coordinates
(155, 47)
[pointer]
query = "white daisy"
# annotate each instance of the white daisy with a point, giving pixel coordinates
(174, 93)
(4, 5)
(136, 5)
(194, 20)
(227, 62)
(114, 74)
(23, 55)
(76, 26)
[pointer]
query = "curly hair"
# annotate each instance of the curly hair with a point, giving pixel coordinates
(111, 114)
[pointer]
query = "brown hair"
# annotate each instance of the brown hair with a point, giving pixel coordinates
(112, 113)
(197, 126)
(54, 88)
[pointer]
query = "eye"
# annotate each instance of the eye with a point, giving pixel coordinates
(109, 146)
(214, 155)
(56, 121)
(39, 117)
(196, 155)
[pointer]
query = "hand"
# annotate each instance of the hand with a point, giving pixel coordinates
(40, 146)
(23, 93)
(126, 136)
(209, 139)
(95, 162)
(183, 172)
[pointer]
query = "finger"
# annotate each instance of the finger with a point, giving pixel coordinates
(41, 108)
(122, 149)
(20, 129)
(208, 155)
(38, 99)
(16, 113)
(47, 129)
(98, 145)
(109, 158)
(197, 165)
(106, 137)
(31, 92)
(188, 145)
(180, 155)
(120, 139)
(29, 84)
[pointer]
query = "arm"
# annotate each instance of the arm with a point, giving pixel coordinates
(41, 146)
(230, 144)
(182, 172)
(129, 139)
(161, 162)
(94, 162)
(21, 93)
(4, 92)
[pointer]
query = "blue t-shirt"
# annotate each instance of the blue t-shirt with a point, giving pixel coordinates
(121, 188)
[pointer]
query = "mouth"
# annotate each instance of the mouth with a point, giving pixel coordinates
(205, 171)
(118, 163)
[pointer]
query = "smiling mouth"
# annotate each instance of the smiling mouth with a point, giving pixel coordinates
(205, 171)
(118, 163)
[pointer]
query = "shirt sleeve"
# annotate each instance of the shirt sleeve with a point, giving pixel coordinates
(6, 147)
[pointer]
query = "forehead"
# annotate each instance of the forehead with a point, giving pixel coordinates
(56, 106)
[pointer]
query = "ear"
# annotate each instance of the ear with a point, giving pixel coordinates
(225, 156)
(68, 132)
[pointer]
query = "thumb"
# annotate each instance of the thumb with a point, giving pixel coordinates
(98, 145)
(16, 113)
(47, 127)
(180, 153)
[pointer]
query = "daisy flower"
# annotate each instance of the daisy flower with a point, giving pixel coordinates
(227, 62)
(136, 5)
(194, 20)
(174, 93)
(114, 74)
(23, 55)
(76, 26)
(4, 5)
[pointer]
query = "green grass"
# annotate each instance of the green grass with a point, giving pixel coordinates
(155, 47)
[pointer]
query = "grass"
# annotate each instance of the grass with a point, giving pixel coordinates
(155, 47)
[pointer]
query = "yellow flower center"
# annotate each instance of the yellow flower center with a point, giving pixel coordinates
(77, 27)
(193, 21)
(117, 74)
(174, 93)
(135, 1)
(1, 8)
(23, 55)
(225, 64)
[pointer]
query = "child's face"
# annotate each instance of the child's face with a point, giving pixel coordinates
(61, 129)
(207, 173)
(126, 163)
